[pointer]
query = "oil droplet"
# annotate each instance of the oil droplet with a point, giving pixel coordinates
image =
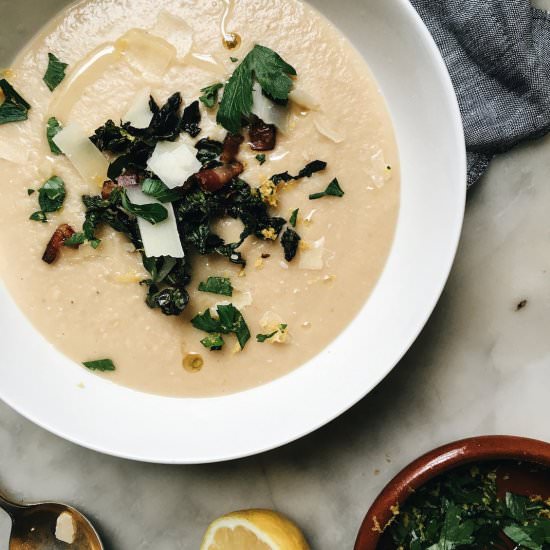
(193, 362)
(232, 40)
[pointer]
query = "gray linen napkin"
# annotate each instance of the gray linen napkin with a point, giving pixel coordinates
(498, 54)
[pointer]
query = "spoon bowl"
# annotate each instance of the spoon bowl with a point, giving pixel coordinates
(39, 527)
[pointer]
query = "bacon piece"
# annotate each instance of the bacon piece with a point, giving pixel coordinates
(231, 146)
(263, 137)
(214, 179)
(108, 187)
(61, 234)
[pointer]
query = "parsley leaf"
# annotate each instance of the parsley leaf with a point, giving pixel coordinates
(214, 342)
(55, 73)
(53, 128)
(102, 365)
(261, 159)
(153, 213)
(207, 323)
(234, 59)
(521, 537)
(210, 95)
(158, 190)
(273, 74)
(50, 198)
(30, 192)
(333, 190)
(14, 108)
(230, 321)
(217, 285)
(294, 217)
(76, 240)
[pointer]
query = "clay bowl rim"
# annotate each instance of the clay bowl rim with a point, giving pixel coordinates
(440, 461)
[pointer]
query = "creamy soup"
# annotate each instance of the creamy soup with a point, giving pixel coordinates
(89, 303)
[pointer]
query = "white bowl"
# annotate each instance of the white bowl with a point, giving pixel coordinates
(42, 384)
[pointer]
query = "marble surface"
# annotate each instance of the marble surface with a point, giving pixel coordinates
(480, 367)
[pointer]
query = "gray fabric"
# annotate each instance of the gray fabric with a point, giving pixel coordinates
(498, 54)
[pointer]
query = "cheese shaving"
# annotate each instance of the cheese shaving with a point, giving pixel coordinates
(83, 154)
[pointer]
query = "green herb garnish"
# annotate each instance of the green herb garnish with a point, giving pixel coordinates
(50, 198)
(14, 108)
(214, 342)
(53, 128)
(230, 320)
(158, 190)
(55, 73)
(210, 94)
(153, 213)
(31, 192)
(102, 365)
(217, 285)
(333, 190)
(273, 74)
(234, 59)
(306, 172)
(290, 241)
(462, 510)
(261, 159)
(76, 240)
(261, 338)
(294, 217)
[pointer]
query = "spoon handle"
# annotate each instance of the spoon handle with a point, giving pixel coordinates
(9, 507)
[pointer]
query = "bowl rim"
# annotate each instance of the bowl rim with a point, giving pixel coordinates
(137, 435)
(442, 460)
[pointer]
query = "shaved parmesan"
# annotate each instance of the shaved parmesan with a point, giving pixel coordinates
(83, 154)
(240, 300)
(269, 112)
(175, 31)
(303, 99)
(162, 239)
(312, 258)
(139, 114)
(145, 52)
(174, 163)
(325, 128)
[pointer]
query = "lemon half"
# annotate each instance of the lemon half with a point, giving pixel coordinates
(254, 530)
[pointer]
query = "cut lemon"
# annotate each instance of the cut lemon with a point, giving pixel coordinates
(254, 530)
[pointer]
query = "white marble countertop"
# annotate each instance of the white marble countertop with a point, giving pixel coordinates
(480, 367)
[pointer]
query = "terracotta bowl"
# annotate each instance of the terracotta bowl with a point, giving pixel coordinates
(442, 460)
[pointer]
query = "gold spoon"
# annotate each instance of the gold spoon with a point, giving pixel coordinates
(34, 527)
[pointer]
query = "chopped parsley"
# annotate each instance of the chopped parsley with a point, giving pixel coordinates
(234, 59)
(210, 95)
(14, 108)
(214, 342)
(274, 76)
(262, 338)
(55, 73)
(294, 217)
(153, 213)
(463, 510)
(158, 190)
(102, 365)
(53, 128)
(230, 320)
(51, 197)
(261, 158)
(333, 190)
(306, 172)
(31, 192)
(217, 285)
